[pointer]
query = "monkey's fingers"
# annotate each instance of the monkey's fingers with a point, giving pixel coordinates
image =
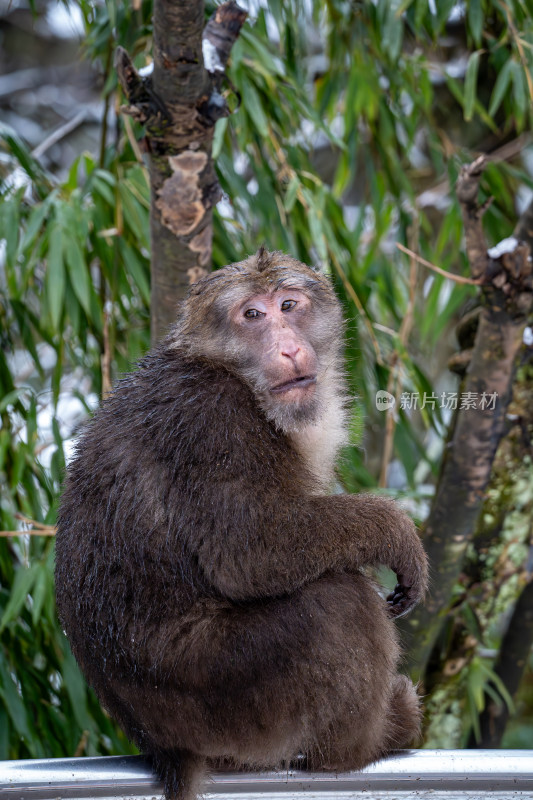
(402, 599)
(412, 579)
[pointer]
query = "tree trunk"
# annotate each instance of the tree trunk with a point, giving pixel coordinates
(510, 508)
(507, 294)
(179, 104)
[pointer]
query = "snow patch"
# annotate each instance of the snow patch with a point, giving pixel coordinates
(505, 246)
(146, 71)
(212, 60)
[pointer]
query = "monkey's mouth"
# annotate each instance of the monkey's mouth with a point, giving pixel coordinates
(296, 383)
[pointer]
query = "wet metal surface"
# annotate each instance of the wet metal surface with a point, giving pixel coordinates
(436, 774)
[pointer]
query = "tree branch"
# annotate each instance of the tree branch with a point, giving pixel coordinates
(505, 274)
(467, 191)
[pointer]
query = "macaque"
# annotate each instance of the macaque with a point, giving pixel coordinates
(213, 592)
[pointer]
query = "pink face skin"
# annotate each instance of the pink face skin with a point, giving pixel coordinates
(275, 326)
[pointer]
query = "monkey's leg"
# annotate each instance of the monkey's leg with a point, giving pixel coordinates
(257, 683)
(383, 711)
(403, 724)
(402, 729)
(405, 714)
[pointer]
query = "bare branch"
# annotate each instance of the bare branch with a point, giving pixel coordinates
(450, 275)
(56, 136)
(37, 529)
(220, 34)
(467, 192)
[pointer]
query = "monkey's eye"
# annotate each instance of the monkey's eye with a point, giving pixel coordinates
(288, 304)
(253, 313)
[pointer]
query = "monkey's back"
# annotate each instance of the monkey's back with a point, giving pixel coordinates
(132, 515)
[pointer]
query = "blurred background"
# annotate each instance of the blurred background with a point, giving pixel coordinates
(351, 122)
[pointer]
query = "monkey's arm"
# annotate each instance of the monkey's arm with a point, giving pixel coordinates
(386, 535)
(279, 547)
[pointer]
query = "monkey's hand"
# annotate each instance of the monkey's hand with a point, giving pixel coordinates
(412, 575)
(398, 546)
(402, 599)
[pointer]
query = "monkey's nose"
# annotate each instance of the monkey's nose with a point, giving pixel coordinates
(290, 350)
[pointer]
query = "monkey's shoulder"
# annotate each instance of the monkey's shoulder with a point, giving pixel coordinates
(172, 403)
(195, 391)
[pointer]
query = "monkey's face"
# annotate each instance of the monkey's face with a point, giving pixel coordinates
(272, 332)
(278, 325)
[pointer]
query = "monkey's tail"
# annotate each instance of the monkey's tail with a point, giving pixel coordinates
(181, 772)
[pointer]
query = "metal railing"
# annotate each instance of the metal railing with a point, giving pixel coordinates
(435, 774)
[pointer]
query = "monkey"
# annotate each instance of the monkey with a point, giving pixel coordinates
(214, 591)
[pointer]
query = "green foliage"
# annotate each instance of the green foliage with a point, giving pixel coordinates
(46, 708)
(348, 113)
(76, 285)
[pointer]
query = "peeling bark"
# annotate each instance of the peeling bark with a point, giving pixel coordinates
(179, 104)
(507, 297)
(180, 198)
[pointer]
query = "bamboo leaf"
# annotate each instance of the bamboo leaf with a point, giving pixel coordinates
(270, 63)
(520, 90)
(41, 587)
(135, 215)
(472, 70)
(36, 219)
(10, 228)
(102, 188)
(291, 193)
(500, 686)
(218, 139)
(76, 689)
(501, 86)
(4, 734)
(78, 272)
(55, 279)
(475, 20)
(252, 104)
(137, 269)
(392, 34)
(24, 578)
(13, 702)
(23, 318)
(22, 153)
(10, 398)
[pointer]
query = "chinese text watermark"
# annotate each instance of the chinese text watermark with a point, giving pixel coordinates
(479, 401)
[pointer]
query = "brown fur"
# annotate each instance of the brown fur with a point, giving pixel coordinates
(210, 589)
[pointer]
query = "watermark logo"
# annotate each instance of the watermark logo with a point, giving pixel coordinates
(384, 400)
(479, 401)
